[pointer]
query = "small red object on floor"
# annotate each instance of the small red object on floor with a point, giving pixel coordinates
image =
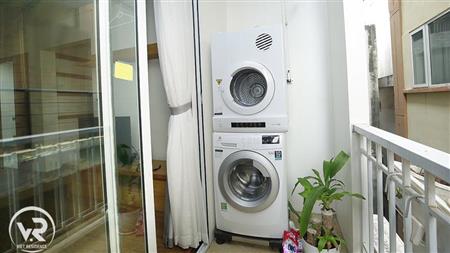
(291, 241)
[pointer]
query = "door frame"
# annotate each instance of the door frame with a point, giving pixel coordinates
(109, 129)
(107, 106)
(145, 122)
(145, 125)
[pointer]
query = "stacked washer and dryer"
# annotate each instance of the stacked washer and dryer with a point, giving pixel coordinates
(250, 120)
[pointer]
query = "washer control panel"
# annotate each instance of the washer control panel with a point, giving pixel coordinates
(270, 139)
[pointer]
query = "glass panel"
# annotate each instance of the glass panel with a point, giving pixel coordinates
(248, 87)
(50, 126)
(126, 112)
(418, 58)
(440, 49)
(247, 182)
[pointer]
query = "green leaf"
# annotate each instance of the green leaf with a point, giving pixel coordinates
(321, 244)
(315, 179)
(337, 181)
(327, 169)
(318, 177)
(338, 163)
(304, 194)
(337, 186)
(340, 240)
(305, 183)
(357, 195)
(308, 205)
(292, 209)
(295, 186)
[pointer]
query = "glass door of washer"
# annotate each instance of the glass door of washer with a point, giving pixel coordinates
(248, 181)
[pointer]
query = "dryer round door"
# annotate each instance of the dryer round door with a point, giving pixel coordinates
(248, 181)
(249, 89)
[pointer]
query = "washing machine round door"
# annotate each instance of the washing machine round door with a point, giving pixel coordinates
(249, 89)
(248, 181)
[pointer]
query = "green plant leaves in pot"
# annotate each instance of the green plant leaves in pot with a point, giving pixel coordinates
(326, 190)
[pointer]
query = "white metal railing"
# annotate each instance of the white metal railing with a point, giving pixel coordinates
(434, 164)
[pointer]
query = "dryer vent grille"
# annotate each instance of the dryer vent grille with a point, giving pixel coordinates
(263, 41)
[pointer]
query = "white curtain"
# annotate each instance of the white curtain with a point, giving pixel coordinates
(175, 39)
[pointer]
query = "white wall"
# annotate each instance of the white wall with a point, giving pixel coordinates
(351, 105)
(310, 136)
(212, 19)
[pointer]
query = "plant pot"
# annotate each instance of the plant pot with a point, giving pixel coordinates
(311, 235)
(327, 218)
(127, 220)
(308, 248)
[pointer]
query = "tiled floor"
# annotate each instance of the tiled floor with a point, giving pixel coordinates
(239, 247)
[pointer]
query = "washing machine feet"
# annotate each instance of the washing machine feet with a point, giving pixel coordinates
(225, 237)
(222, 237)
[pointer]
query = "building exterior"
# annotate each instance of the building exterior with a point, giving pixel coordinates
(421, 55)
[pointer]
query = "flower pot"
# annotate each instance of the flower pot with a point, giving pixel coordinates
(308, 248)
(127, 220)
(327, 218)
(311, 235)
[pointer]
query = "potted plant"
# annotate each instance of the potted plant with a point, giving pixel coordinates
(130, 200)
(327, 242)
(326, 189)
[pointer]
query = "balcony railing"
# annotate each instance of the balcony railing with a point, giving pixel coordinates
(59, 171)
(411, 173)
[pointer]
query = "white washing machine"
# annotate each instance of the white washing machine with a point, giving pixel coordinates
(249, 81)
(250, 184)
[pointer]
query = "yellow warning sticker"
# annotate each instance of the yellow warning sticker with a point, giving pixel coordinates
(218, 81)
(123, 71)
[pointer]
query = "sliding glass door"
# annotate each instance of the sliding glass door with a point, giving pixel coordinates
(71, 170)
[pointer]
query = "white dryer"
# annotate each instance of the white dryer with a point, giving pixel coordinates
(249, 81)
(250, 184)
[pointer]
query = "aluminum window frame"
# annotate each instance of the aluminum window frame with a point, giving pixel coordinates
(105, 71)
(145, 126)
(427, 53)
(411, 34)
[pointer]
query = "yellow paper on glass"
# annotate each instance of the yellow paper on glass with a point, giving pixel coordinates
(123, 71)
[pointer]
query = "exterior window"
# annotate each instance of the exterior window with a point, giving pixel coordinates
(430, 52)
(439, 31)
(418, 58)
